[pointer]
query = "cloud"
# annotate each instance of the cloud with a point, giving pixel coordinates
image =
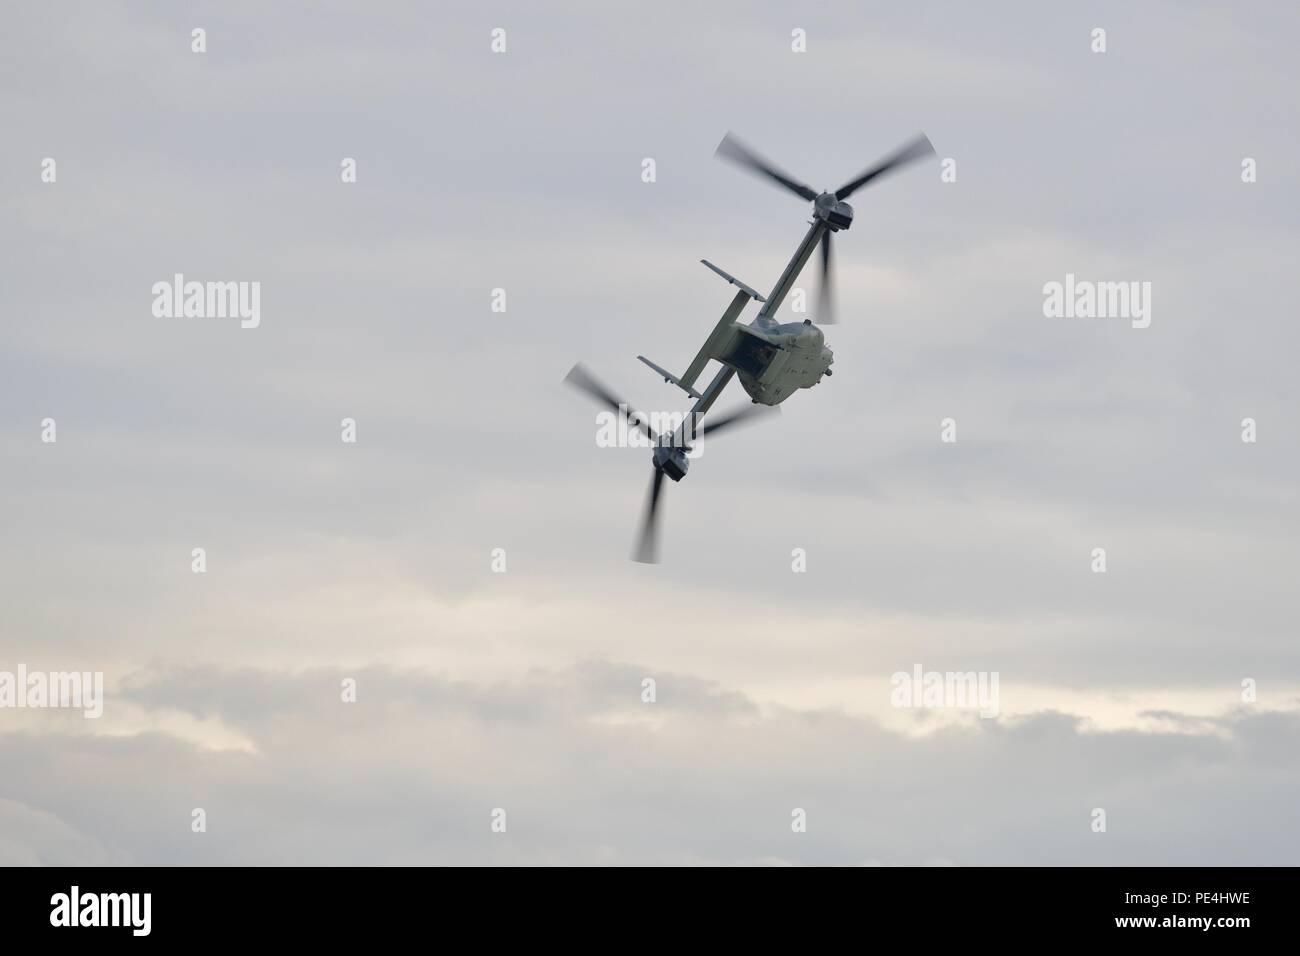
(33, 837)
(589, 773)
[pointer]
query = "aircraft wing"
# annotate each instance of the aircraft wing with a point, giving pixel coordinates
(720, 341)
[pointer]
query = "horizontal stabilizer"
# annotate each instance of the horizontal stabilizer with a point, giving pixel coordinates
(670, 377)
(734, 281)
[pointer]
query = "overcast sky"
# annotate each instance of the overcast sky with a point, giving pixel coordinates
(523, 690)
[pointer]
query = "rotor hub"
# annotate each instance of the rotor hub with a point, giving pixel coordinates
(836, 213)
(672, 461)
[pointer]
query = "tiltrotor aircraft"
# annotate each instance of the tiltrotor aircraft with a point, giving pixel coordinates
(773, 359)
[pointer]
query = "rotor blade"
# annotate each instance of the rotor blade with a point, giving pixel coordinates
(739, 416)
(826, 295)
(583, 380)
(916, 149)
(647, 546)
(734, 150)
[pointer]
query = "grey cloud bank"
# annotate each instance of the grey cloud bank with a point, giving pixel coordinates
(521, 171)
(410, 772)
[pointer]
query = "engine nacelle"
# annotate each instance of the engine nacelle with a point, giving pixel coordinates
(835, 212)
(671, 461)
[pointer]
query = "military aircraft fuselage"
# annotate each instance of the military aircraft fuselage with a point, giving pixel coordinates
(775, 361)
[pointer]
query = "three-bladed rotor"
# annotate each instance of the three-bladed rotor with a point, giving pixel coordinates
(668, 458)
(830, 207)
